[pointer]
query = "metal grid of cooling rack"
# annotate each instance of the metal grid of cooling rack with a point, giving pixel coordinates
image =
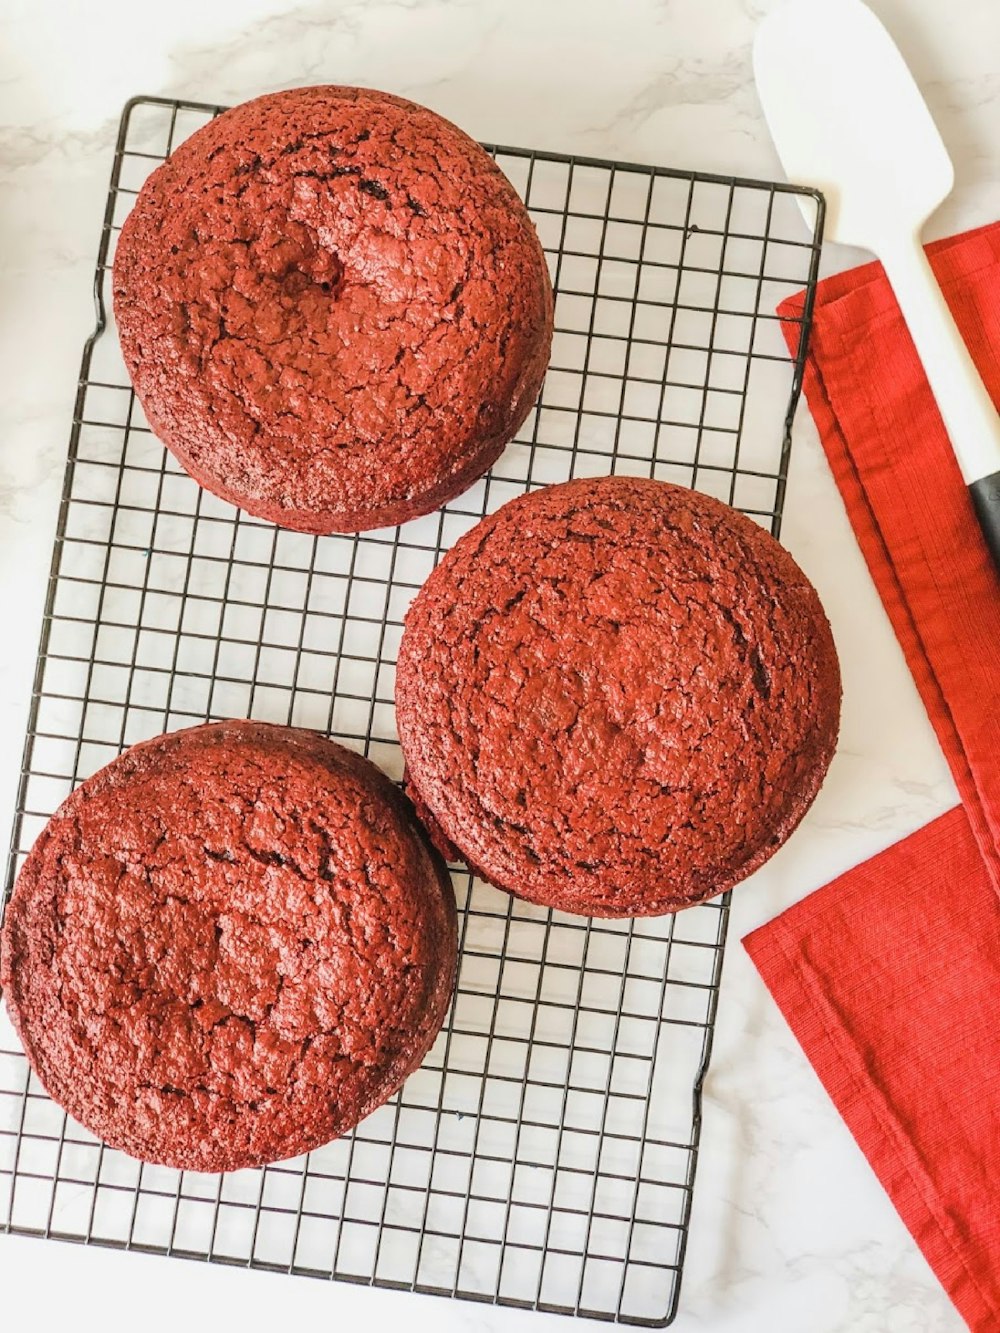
(544, 1155)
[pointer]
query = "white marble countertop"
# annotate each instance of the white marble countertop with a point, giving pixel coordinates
(790, 1232)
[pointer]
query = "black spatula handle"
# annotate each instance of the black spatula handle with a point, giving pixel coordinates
(986, 501)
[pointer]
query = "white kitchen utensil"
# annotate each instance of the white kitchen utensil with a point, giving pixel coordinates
(847, 118)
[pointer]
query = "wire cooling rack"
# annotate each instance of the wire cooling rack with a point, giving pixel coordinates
(544, 1155)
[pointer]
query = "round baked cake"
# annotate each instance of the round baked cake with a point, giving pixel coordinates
(616, 697)
(229, 946)
(334, 308)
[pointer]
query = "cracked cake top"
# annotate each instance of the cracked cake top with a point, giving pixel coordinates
(334, 308)
(228, 946)
(616, 696)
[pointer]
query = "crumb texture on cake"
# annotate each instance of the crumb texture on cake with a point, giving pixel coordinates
(334, 308)
(229, 946)
(616, 696)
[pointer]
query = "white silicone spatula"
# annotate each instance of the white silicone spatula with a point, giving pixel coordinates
(847, 118)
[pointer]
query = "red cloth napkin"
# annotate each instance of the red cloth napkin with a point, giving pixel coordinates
(890, 976)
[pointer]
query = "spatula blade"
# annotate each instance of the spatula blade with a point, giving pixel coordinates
(847, 118)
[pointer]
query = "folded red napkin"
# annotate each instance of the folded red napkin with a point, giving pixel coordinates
(890, 976)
